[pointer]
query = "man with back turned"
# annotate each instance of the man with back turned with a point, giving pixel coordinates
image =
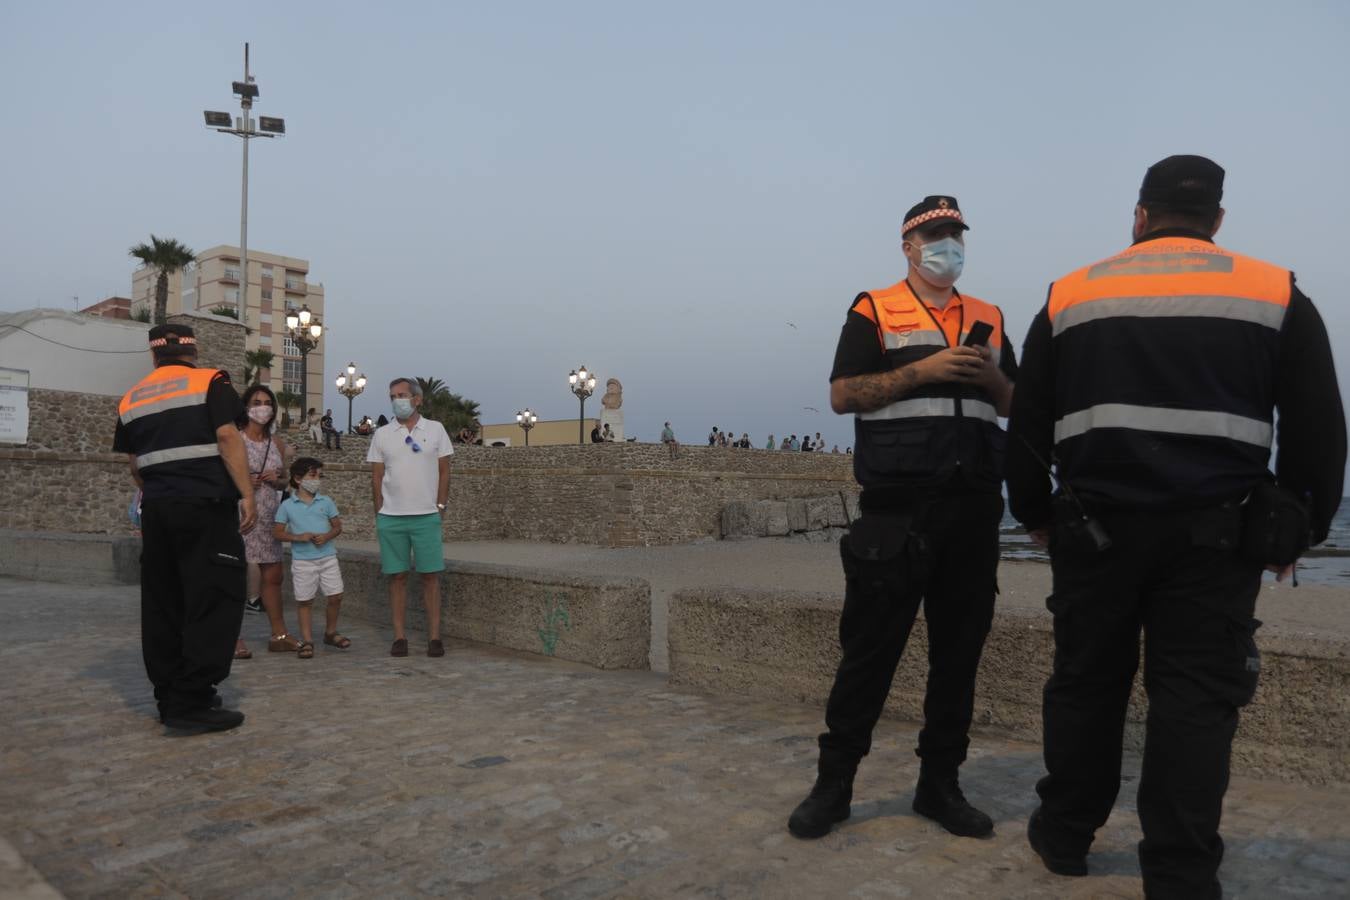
(1151, 380)
(930, 461)
(177, 427)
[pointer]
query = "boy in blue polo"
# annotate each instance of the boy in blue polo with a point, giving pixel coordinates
(309, 521)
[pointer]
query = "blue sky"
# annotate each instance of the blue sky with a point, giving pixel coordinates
(493, 194)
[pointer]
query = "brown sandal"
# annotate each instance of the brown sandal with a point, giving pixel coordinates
(306, 650)
(337, 640)
(242, 653)
(282, 643)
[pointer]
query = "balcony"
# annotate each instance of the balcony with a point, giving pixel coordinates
(295, 286)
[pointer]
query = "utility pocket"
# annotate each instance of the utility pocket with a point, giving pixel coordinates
(1236, 682)
(872, 552)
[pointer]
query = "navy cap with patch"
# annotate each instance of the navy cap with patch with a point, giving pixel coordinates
(936, 209)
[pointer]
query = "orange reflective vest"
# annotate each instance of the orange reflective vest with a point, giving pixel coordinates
(1165, 361)
(940, 430)
(165, 421)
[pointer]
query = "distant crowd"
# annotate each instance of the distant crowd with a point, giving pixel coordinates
(807, 444)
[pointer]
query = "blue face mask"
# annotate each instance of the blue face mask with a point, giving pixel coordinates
(942, 261)
(403, 408)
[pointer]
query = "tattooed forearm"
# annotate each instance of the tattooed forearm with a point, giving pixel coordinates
(865, 393)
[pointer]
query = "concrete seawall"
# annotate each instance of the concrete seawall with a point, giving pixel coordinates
(778, 645)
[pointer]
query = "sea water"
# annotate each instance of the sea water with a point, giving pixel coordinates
(1327, 563)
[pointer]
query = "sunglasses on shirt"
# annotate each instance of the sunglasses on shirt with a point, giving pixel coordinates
(416, 447)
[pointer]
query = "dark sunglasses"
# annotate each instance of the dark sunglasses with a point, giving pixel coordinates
(417, 448)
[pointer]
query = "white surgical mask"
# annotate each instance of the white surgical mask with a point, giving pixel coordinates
(311, 485)
(403, 408)
(260, 414)
(942, 261)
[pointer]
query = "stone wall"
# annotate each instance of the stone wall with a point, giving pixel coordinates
(71, 422)
(220, 342)
(605, 494)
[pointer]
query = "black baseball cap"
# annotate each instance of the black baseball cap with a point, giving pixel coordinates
(173, 340)
(933, 209)
(1184, 182)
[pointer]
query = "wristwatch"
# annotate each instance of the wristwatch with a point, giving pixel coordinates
(441, 507)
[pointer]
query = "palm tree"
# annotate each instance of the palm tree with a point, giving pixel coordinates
(167, 256)
(254, 362)
(451, 410)
(287, 399)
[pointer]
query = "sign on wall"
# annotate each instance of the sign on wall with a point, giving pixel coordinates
(14, 405)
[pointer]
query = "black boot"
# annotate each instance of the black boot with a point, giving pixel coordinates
(940, 799)
(1057, 860)
(828, 801)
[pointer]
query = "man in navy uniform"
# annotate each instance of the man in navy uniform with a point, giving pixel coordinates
(177, 427)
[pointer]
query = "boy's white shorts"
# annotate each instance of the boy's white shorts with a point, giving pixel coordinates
(314, 575)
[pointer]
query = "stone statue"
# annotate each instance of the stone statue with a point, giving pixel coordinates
(613, 398)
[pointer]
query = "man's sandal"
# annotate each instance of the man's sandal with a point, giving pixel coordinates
(241, 652)
(337, 640)
(306, 650)
(282, 643)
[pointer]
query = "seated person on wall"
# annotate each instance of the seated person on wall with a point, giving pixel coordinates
(365, 426)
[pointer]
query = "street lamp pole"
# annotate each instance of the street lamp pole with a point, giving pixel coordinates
(349, 385)
(583, 385)
(526, 420)
(268, 127)
(304, 329)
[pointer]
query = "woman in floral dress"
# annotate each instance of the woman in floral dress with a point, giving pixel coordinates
(267, 471)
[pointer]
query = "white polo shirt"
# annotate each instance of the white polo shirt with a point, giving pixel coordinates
(411, 477)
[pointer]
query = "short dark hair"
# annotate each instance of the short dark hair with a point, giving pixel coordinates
(1166, 215)
(300, 468)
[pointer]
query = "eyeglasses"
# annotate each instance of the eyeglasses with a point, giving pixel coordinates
(416, 447)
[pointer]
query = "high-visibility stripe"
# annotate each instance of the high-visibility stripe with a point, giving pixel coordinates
(897, 340)
(918, 407)
(173, 454)
(1196, 422)
(178, 401)
(978, 409)
(1241, 309)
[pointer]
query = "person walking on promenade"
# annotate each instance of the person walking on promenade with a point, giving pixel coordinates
(410, 483)
(177, 427)
(712, 437)
(310, 522)
(930, 464)
(769, 444)
(1151, 379)
(266, 468)
(668, 438)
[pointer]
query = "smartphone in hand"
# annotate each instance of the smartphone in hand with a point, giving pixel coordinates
(979, 333)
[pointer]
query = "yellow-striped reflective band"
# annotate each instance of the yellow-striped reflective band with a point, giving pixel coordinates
(978, 409)
(174, 454)
(898, 340)
(913, 409)
(159, 406)
(1194, 422)
(1240, 309)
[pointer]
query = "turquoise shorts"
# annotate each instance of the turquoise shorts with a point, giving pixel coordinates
(419, 536)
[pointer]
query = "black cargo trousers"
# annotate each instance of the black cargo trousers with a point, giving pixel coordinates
(193, 579)
(943, 554)
(1178, 578)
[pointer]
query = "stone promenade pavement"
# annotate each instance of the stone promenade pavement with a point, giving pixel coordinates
(490, 774)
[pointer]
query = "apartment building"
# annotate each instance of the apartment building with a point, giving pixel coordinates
(275, 284)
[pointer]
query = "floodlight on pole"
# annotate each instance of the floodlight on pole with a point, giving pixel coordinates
(247, 91)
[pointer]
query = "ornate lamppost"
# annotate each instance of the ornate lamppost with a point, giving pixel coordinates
(349, 384)
(304, 328)
(526, 420)
(583, 385)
